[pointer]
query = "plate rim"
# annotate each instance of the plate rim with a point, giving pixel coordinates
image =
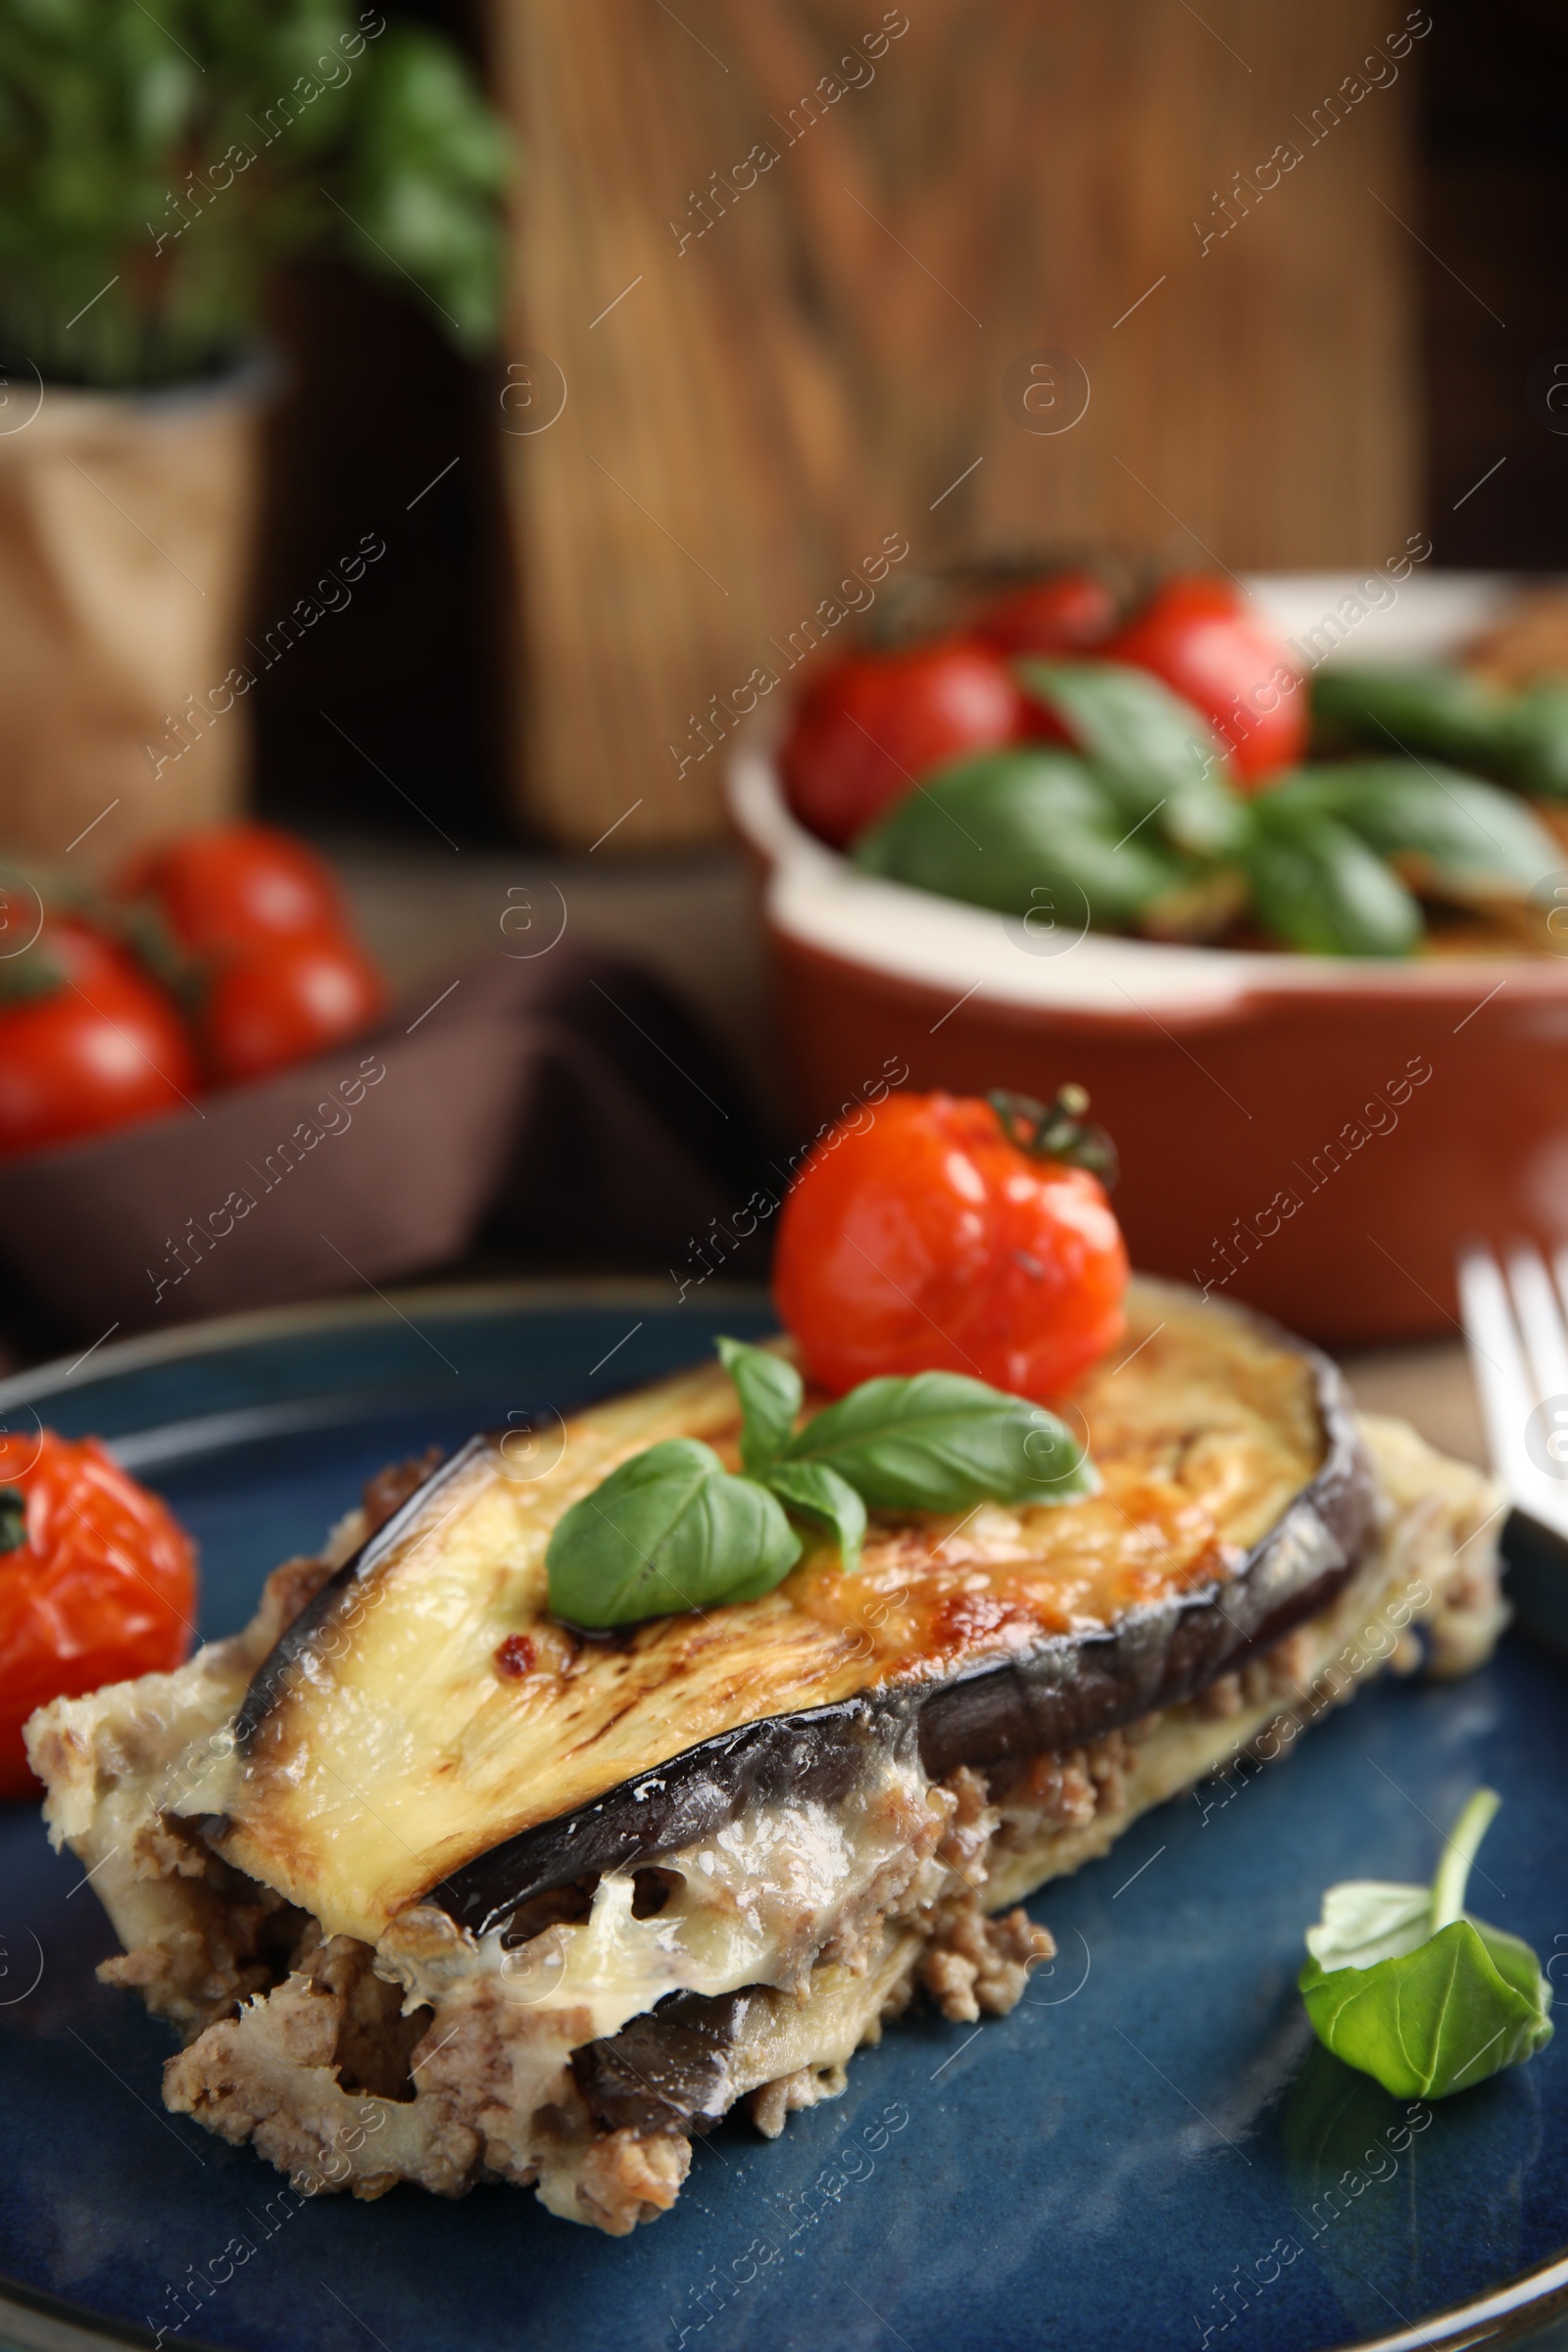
(36, 2322)
(210, 1334)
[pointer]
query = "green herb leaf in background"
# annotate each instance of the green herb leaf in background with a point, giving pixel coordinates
(940, 1442)
(1450, 713)
(158, 164)
(1316, 885)
(1005, 828)
(1402, 1983)
(1537, 733)
(1519, 737)
(1448, 835)
(1152, 751)
(671, 1530)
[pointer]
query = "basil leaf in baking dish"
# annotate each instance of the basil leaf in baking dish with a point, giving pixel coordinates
(671, 1530)
(1403, 1984)
(1446, 834)
(1152, 751)
(1002, 828)
(1318, 886)
(942, 1441)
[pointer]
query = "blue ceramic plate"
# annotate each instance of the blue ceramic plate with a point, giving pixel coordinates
(1151, 2153)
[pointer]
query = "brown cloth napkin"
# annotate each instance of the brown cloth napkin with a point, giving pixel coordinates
(570, 1102)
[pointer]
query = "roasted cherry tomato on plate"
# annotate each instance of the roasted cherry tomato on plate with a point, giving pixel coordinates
(88, 1042)
(284, 1000)
(955, 1234)
(97, 1582)
(875, 724)
(1063, 614)
(1211, 643)
(232, 884)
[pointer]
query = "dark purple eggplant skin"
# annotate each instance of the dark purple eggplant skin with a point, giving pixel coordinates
(669, 2069)
(1068, 1690)
(820, 1753)
(267, 1682)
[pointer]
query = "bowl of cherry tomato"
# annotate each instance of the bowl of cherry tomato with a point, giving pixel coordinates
(1278, 870)
(200, 1105)
(217, 958)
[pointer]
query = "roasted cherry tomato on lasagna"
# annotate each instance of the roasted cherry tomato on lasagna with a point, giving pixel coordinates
(97, 1582)
(873, 725)
(232, 885)
(88, 1042)
(956, 1235)
(1213, 647)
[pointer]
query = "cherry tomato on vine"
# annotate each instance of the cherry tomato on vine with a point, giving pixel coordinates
(283, 1000)
(1213, 646)
(97, 1582)
(231, 883)
(88, 1042)
(1065, 614)
(956, 1235)
(873, 725)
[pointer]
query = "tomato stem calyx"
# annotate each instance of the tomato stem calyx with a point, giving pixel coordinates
(13, 1519)
(1057, 1131)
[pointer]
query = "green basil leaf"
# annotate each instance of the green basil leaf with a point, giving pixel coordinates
(1028, 833)
(1448, 834)
(821, 1493)
(1317, 886)
(1449, 712)
(1154, 751)
(770, 1390)
(1516, 1963)
(1538, 734)
(1429, 2022)
(1366, 1920)
(940, 1442)
(669, 1530)
(1402, 1983)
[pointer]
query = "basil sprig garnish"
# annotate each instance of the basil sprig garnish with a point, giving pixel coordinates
(1403, 1984)
(671, 1529)
(940, 1442)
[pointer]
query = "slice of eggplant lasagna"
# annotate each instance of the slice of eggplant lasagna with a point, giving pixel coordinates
(438, 1890)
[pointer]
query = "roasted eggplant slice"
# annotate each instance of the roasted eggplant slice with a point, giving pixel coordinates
(427, 1730)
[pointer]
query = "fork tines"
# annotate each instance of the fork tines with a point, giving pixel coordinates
(1516, 1325)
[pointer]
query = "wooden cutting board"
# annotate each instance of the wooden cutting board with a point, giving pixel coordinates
(800, 283)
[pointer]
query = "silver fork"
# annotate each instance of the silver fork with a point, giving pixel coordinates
(1516, 1324)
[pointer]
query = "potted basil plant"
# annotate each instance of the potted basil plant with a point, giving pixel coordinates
(155, 168)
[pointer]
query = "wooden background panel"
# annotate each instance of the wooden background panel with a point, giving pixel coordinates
(771, 364)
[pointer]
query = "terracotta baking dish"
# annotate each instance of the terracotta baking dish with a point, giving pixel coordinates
(1315, 1136)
